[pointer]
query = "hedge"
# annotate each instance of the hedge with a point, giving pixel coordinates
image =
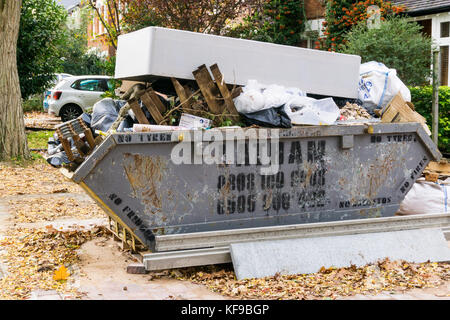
(421, 97)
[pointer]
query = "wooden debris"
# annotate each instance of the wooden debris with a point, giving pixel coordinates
(140, 116)
(399, 111)
(182, 93)
(148, 99)
(229, 104)
(438, 169)
(431, 176)
(87, 133)
(209, 89)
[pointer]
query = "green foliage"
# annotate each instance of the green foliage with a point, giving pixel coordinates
(342, 15)
(33, 103)
(281, 22)
(40, 34)
(76, 59)
(399, 44)
(421, 97)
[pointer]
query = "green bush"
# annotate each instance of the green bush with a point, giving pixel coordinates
(399, 44)
(421, 97)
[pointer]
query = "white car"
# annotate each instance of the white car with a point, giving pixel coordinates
(75, 95)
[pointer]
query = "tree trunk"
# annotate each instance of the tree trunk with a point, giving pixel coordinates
(13, 142)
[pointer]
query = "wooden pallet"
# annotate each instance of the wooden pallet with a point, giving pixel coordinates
(82, 137)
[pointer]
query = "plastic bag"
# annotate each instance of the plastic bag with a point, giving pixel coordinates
(256, 97)
(378, 85)
(426, 197)
(304, 110)
(104, 113)
(272, 118)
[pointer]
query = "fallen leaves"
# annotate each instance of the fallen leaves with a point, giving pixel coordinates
(41, 120)
(32, 255)
(328, 283)
(27, 210)
(37, 178)
(61, 274)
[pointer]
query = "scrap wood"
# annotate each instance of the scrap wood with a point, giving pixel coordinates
(149, 99)
(224, 90)
(140, 116)
(436, 170)
(181, 92)
(398, 110)
(209, 89)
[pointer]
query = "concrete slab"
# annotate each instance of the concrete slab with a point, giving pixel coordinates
(308, 255)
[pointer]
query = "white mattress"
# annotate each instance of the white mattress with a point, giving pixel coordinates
(159, 52)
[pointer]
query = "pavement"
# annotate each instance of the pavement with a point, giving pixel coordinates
(101, 272)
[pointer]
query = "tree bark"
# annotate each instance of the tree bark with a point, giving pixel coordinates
(13, 141)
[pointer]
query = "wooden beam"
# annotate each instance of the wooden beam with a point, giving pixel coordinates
(229, 104)
(152, 108)
(181, 93)
(208, 89)
(156, 101)
(140, 116)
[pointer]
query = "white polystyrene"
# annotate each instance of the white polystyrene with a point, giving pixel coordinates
(160, 52)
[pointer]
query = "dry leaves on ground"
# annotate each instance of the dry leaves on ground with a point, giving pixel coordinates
(36, 119)
(33, 255)
(37, 178)
(48, 209)
(329, 283)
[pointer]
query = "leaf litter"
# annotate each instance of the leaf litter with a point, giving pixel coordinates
(33, 255)
(328, 283)
(37, 178)
(48, 209)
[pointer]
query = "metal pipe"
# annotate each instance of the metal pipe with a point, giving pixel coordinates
(435, 99)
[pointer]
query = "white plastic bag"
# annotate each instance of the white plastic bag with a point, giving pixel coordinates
(378, 85)
(256, 96)
(304, 110)
(426, 197)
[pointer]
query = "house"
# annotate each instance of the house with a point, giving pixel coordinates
(96, 32)
(434, 16)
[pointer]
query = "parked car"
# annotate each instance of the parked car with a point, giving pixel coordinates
(75, 95)
(58, 78)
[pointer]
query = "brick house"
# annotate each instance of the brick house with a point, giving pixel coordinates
(434, 16)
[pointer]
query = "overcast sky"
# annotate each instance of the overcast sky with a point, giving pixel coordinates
(68, 3)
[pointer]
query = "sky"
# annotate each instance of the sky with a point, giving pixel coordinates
(68, 3)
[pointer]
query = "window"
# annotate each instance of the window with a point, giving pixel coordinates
(426, 24)
(90, 85)
(445, 29)
(444, 65)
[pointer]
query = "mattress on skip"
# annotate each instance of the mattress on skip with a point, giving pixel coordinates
(153, 52)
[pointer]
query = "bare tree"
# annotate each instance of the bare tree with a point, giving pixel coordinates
(13, 141)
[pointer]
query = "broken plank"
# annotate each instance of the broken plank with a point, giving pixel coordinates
(156, 101)
(181, 93)
(220, 82)
(208, 89)
(140, 116)
(152, 108)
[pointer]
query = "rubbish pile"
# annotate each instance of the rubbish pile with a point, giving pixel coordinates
(209, 102)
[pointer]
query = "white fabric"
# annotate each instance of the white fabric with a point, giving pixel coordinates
(426, 197)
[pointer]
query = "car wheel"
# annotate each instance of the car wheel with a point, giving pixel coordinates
(70, 112)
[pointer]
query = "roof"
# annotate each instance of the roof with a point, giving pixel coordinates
(423, 7)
